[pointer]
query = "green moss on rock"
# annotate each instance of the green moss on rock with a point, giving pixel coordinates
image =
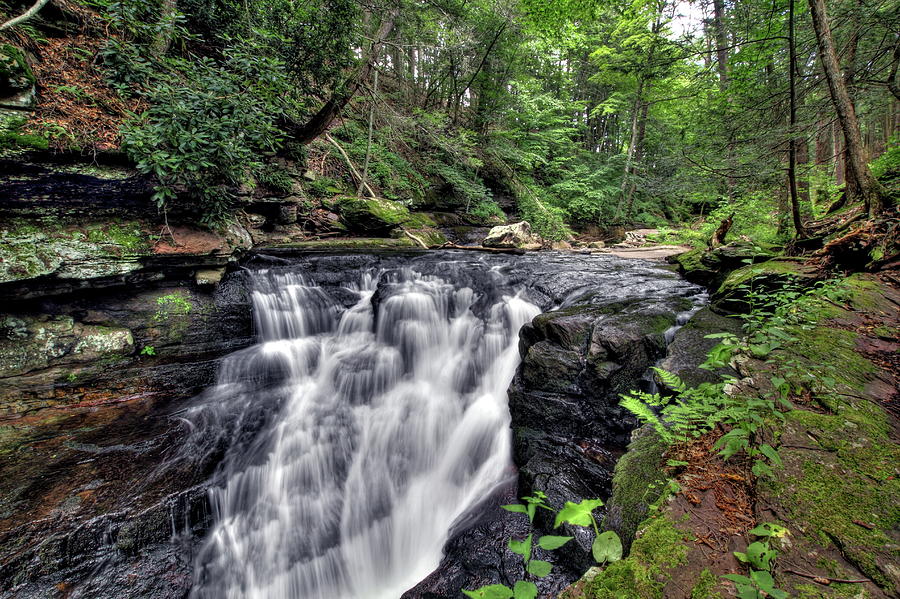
(706, 586)
(15, 74)
(732, 294)
(371, 214)
(659, 549)
(638, 482)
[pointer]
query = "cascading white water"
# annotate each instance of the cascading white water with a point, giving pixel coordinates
(388, 423)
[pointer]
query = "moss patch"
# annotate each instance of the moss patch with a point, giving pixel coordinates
(371, 214)
(658, 550)
(706, 586)
(360, 243)
(638, 482)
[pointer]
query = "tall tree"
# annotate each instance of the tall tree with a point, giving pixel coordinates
(864, 187)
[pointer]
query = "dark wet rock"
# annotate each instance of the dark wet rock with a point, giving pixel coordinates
(690, 347)
(71, 350)
(564, 399)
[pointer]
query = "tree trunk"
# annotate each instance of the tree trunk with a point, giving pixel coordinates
(320, 121)
(866, 188)
(163, 38)
(838, 153)
(892, 84)
(25, 15)
(638, 156)
(721, 43)
(632, 144)
(792, 130)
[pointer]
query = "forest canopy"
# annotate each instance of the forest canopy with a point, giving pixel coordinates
(570, 114)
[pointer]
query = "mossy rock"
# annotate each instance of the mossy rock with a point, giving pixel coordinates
(431, 237)
(692, 269)
(660, 549)
(91, 251)
(732, 294)
(638, 482)
(737, 253)
(371, 215)
(15, 74)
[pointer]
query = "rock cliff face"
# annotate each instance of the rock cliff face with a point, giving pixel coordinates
(89, 385)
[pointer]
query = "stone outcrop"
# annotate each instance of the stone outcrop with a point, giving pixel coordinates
(515, 235)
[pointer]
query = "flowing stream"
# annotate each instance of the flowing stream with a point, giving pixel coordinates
(369, 417)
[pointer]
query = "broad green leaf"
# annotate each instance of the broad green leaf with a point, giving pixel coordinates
(539, 568)
(525, 590)
(578, 514)
(768, 529)
(763, 579)
(551, 542)
(514, 507)
(493, 591)
(737, 578)
(607, 547)
(761, 469)
(522, 548)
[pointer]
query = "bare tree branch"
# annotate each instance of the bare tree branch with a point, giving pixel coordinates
(25, 16)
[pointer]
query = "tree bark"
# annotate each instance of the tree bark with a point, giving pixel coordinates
(792, 131)
(892, 84)
(866, 188)
(721, 43)
(320, 121)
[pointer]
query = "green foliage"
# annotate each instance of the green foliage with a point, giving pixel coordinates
(760, 557)
(487, 211)
(325, 187)
(607, 547)
(172, 304)
(275, 178)
(148, 350)
(205, 131)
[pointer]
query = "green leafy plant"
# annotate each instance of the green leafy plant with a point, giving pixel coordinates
(760, 558)
(172, 304)
(148, 350)
(607, 547)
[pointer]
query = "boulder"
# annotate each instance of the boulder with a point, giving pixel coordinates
(693, 269)
(515, 235)
(733, 294)
(738, 253)
(711, 267)
(690, 346)
(371, 215)
(16, 80)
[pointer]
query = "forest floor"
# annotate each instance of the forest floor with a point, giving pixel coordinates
(835, 488)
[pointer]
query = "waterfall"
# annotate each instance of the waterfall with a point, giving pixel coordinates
(369, 417)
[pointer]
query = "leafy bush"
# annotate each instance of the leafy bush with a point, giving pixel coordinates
(487, 211)
(206, 129)
(275, 178)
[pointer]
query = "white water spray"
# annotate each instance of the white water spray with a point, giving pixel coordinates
(390, 423)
